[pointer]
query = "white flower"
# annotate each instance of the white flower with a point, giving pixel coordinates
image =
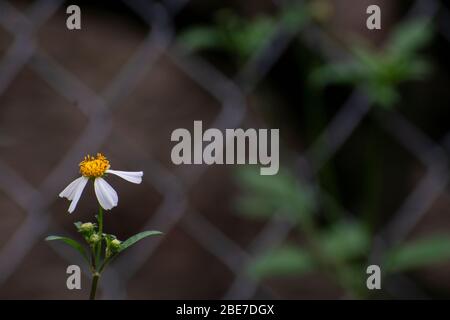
(96, 168)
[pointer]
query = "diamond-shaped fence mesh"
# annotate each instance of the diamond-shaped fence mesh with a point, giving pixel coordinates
(121, 87)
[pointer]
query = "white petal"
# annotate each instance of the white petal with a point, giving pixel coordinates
(106, 195)
(77, 193)
(69, 191)
(134, 177)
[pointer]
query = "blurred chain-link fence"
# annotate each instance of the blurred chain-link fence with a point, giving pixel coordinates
(110, 114)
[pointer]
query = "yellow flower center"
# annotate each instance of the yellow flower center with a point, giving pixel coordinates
(94, 167)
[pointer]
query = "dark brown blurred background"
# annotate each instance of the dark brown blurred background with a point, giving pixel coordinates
(124, 82)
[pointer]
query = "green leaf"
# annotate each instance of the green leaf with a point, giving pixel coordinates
(230, 33)
(410, 37)
(285, 261)
(268, 194)
(370, 60)
(338, 73)
(295, 16)
(254, 206)
(137, 237)
(384, 95)
(418, 254)
(419, 68)
(253, 36)
(345, 241)
(200, 38)
(74, 244)
(379, 73)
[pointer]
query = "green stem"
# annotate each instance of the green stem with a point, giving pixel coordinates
(93, 259)
(105, 263)
(94, 286)
(96, 255)
(100, 234)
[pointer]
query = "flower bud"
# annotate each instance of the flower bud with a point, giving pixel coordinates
(87, 227)
(115, 244)
(94, 238)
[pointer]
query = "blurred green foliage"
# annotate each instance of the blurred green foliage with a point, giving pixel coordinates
(278, 193)
(419, 253)
(239, 36)
(230, 33)
(345, 241)
(283, 261)
(380, 72)
(338, 249)
(331, 245)
(335, 249)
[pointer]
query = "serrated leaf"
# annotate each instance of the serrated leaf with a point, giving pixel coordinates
(73, 243)
(137, 237)
(285, 261)
(418, 254)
